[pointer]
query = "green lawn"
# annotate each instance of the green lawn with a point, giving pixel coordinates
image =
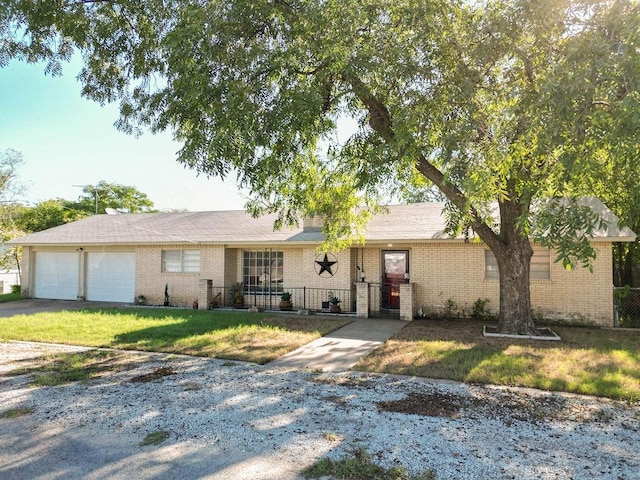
(10, 297)
(252, 337)
(591, 361)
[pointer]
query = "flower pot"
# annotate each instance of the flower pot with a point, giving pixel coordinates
(334, 309)
(286, 305)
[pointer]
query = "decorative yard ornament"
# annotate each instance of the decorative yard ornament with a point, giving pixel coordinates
(326, 266)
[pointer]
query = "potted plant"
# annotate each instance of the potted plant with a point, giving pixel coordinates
(334, 305)
(237, 295)
(285, 301)
(141, 300)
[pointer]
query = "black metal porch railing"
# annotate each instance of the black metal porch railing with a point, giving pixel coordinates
(306, 298)
(379, 294)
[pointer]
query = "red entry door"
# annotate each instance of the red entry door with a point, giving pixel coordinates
(396, 271)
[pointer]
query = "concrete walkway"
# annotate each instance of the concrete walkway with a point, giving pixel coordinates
(29, 306)
(342, 349)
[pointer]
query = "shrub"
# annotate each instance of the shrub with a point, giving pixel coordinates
(479, 311)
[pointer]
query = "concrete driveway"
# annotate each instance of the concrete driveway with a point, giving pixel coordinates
(25, 307)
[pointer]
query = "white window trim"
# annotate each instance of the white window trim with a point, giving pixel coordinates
(491, 266)
(184, 261)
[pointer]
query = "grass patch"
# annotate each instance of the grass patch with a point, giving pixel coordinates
(331, 437)
(245, 336)
(154, 438)
(589, 361)
(10, 297)
(358, 466)
(63, 368)
(16, 412)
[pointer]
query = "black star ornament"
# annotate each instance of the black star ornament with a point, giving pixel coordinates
(325, 266)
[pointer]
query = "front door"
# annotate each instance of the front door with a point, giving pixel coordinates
(396, 271)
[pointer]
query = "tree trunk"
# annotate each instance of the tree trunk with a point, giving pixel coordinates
(515, 299)
(628, 278)
(618, 264)
(513, 255)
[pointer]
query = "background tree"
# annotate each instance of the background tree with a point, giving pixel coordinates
(10, 186)
(49, 214)
(504, 106)
(618, 187)
(10, 257)
(99, 197)
(10, 210)
(126, 199)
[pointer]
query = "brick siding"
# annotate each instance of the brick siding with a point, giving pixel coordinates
(440, 271)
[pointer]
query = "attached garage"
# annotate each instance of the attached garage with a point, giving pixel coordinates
(56, 275)
(111, 276)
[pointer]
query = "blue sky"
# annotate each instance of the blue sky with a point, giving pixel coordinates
(67, 140)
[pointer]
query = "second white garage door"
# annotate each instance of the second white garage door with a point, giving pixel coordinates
(111, 276)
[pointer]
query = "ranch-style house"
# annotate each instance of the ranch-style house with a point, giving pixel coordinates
(407, 265)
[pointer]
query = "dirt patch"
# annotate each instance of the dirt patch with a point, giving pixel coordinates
(503, 405)
(154, 375)
(430, 405)
(347, 380)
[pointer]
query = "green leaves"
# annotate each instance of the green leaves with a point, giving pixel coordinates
(513, 102)
(567, 225)
(97, 198)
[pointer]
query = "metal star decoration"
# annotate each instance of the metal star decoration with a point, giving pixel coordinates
(325, 265)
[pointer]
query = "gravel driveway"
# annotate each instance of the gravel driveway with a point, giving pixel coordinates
(231, 420)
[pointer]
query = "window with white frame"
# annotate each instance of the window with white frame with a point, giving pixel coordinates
(540, 264)
(262, 271)
(540, 268)
(490, 265)
(181, 261)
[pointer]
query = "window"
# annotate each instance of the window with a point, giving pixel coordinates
(490, 265)
(181, 261)
(540, 265)
(262, 271)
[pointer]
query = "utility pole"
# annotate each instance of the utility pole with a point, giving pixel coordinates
(95, 193)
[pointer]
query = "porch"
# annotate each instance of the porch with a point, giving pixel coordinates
(364, 299)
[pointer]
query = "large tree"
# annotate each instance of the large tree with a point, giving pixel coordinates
(106, 195)
(504, 106)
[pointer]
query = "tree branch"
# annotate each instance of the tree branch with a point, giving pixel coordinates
(379, 117)
(85, 2)
(380, 121)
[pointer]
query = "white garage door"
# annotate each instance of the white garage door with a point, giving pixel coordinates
(56, 275)
(111, 276)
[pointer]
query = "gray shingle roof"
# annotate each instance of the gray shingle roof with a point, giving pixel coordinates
(416, 222)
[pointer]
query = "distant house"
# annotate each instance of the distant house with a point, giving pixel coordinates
(408, 263)
(10, 274)
(9, 278)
